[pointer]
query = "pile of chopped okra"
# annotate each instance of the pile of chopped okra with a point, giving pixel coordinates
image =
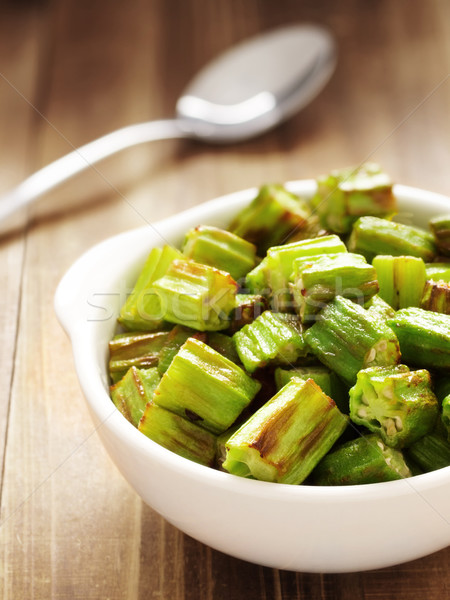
(308, 342)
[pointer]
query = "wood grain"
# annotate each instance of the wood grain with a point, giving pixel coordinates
(18, 68)
(70, 526)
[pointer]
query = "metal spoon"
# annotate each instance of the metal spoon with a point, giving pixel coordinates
(241, 94)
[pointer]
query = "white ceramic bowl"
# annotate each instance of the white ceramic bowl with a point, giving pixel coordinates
(302, 528)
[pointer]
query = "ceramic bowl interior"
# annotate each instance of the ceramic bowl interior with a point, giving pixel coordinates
(302, 528)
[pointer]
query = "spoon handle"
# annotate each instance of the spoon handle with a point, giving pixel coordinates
(84, 157)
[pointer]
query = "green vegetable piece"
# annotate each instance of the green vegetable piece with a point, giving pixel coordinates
(424, 337)
(360, 461)
(320, 280)
(371, 236)
(174, 341)
(142, 311)
(131, 394)
(256, 280)
(326, 379)
(138, 349)
(196, 296)
(440, 226)
(221, 249)
(430, 452)
(300, 264)
(378, 307)
(319, 374)
(442, 391)
(282, 264)
(248, 308)
(436, 297)
(272, 216)
(394, 402)
(285, 439)
(272, 275)
(401, 278)
(205, 387)
(178, 435)
(345, 195)
(438, 271)
(446, 415)
(272, 338)
(347, 338)
(223, 344)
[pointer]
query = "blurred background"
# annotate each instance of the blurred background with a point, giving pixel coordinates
(73, 70)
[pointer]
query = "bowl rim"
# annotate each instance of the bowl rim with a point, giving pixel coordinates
(106, 415)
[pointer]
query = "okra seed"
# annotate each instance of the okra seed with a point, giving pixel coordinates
(398, 423)
(390, 427)
(371, 355)
(389, 393)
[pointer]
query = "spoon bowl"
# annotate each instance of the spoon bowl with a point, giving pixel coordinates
(257, 84)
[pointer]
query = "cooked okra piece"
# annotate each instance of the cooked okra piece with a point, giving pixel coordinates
(401, 279)
(394, 402)
(283, 267)
(285, 439)
(196, 295)
(299, 262)
(174, 341)
(430, 452)
(442, 389)
(377, 306)
(440, 226)
(446, 415)
(178, 434)
(319, 281)
(248, 308)
(371, 236)
(221, 249)
(142, 311)
(424, 337)
(363, 460)
(135, 349)
(326, 379)
(272, 338)
(131, 394)
(436, 297)
(345, 195)
(319, 374)
(438, 271)
(205, 387)
(256, 281)
(272, 216)
(273, 273)
(347, 338)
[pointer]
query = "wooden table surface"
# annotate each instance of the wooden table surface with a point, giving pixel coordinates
(72, 70)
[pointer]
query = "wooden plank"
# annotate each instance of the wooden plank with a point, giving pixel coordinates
(17, 79)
